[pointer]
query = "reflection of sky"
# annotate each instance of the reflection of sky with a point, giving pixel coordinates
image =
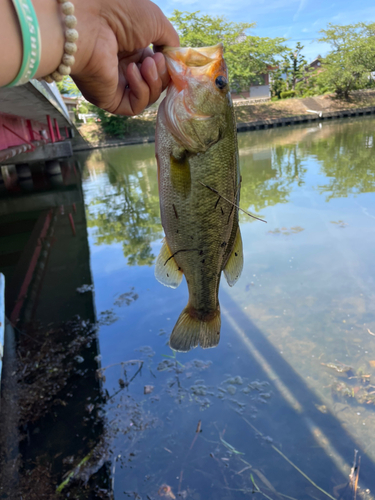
(305, 297)
(297, 20)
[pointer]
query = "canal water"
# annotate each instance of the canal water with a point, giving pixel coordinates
(280, 406)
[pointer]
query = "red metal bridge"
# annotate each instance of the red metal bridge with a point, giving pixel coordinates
(31, 116)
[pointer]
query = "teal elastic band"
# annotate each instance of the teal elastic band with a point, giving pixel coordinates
(31, 42)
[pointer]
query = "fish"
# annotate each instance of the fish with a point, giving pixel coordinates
(199, 189)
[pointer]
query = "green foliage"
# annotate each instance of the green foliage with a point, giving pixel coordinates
(126, 212)
(294, 66)
(311, 85)
(278, 83)
(247, 56)
(68, 87)
(346, 158)
(348, 66)
(287, 94)
(112, 125)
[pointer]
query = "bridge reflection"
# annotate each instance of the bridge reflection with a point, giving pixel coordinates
(50, 414)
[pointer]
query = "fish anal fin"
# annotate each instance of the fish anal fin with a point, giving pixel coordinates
(190, 330)
(234, 265)
(167, 271)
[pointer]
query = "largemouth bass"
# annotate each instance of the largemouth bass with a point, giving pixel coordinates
(199, 188)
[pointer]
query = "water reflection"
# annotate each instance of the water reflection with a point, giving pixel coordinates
(51, 399)
(276, 394)
(304, 303)
(126, 210)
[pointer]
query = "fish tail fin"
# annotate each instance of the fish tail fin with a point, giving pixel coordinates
(191, 330)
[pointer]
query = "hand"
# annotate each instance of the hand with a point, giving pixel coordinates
(115, 68)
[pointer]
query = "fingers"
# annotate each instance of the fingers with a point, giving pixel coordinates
(136, 94)
(162, 69)
(150, 74)
(144, 85)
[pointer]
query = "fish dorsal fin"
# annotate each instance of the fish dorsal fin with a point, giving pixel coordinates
(233, 267)
(167, 271)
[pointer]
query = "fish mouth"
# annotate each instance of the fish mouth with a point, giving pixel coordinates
(183, 62)
(194, 57)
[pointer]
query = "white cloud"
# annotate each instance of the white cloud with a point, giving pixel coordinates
(301, 6)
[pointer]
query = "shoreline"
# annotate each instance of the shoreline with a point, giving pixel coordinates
(248, 126)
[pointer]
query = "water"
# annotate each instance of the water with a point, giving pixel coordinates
(291, 380)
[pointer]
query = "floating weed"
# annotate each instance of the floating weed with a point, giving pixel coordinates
(174, 358)
(230, 447)
(290, 462)
(286, 232)
(125, 299)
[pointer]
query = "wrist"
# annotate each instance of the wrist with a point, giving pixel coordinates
(51, 27)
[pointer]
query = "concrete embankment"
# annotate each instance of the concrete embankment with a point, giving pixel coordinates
(295, 120)
(264, 115)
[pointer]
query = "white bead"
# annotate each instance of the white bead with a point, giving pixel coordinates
(71, 35)
(70, 48)
(56, 76)
(68, 8)
(68, 60)
(64, 70)
(48, 79)
(71, 21)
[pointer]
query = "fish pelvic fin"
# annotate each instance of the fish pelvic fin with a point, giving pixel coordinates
(192, 329)
(233, 268)
(167, 270)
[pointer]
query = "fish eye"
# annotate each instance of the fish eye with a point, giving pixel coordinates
(221, 82)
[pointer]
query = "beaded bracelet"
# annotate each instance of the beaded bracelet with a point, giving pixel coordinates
(70, 47)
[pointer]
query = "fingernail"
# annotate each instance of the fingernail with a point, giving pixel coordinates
(134, 69)
(153, 71)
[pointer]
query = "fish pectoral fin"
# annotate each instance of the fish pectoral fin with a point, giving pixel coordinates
(167, 271)
(234, 265)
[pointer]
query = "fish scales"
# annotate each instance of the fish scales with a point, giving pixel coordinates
(199, 195)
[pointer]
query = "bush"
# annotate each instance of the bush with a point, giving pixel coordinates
(112, 125)
(287, 94)
(274, 98)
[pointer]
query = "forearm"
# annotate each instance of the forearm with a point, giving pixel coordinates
(114, 67)
(52, 38)
(10, 41)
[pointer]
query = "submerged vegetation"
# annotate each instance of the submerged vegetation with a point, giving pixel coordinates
(49, 392)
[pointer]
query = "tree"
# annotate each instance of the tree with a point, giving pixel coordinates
(295, 65)
(247, 56)
(112, 125)
(68, 87)
(278, 82)
(126, 210)
(348, 66)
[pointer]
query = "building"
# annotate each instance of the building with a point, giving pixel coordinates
(259, 90)
(71, 104)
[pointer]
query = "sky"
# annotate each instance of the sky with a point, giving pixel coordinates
(297, 20)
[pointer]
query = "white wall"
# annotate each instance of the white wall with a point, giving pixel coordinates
(259, 91)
